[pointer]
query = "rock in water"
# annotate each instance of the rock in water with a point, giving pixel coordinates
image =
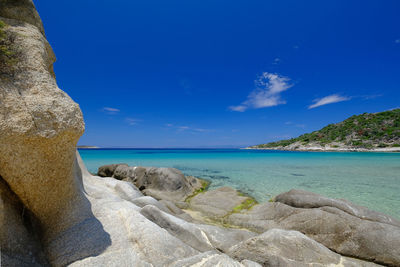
(161, 183)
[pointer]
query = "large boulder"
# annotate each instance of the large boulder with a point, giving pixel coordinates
(78, 218)
(39, 125)
(53, 211)
(278, 247)
(304, 199)
(161, 183)
(350, 235)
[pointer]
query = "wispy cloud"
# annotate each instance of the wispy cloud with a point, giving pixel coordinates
(183, 128)
(201, 130)
(132, 121)
(330, 99)
(397, 41)
(111, 111)
(267, 93)
(188, 128)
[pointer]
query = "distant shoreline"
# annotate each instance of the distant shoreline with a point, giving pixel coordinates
(87, 147)
(328, 149)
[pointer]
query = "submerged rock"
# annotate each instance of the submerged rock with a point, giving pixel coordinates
(218, 203)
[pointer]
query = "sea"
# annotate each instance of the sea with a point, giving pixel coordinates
(368, 179)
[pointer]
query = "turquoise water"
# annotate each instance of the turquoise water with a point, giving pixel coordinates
(368, 179)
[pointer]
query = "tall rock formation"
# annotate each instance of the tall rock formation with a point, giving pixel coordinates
(53, 212)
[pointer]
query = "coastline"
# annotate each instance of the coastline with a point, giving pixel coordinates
(87, 147)
(328, 149)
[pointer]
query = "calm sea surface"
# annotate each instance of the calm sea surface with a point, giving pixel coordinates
(368, 179)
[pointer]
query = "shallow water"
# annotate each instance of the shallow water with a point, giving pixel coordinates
(368, 179)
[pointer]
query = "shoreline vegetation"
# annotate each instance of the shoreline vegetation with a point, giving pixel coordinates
(368, 132)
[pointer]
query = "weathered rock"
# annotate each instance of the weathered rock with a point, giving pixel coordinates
(278, 247)
(305, 199)
(160, 183)
(147, 200)
(22, 10)
(20, 246)
(338, 230)
(208, 259)
(198, 236)
(39, 127)
(189, 233)
(224, 238)
(125, 235)
(82, 220)
(248, 263)
(174, 210)
(217, 203)
(108, 170)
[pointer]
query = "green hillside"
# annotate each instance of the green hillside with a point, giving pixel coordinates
(368, 130)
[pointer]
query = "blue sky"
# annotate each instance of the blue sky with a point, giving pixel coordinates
(209, 73)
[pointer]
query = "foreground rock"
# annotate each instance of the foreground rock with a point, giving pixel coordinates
(202, 237)
(278, 247)
(375, 238)
(72, 218)
(304, 199)
(161, 183)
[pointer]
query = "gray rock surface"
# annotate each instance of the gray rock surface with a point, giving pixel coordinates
(161, 183)
(108, 170)
(217, 203)
(201, 237)
(208, 259)
(338, 230)
(304, 199)
(278, 247)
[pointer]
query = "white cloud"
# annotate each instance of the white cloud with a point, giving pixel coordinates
(110, 111)
(132, 121)
(269, 86)
(330, 99)
(397, 41)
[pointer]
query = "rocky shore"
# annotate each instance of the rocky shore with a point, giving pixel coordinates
(318, 148)
(55, 213)
(311, 221)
